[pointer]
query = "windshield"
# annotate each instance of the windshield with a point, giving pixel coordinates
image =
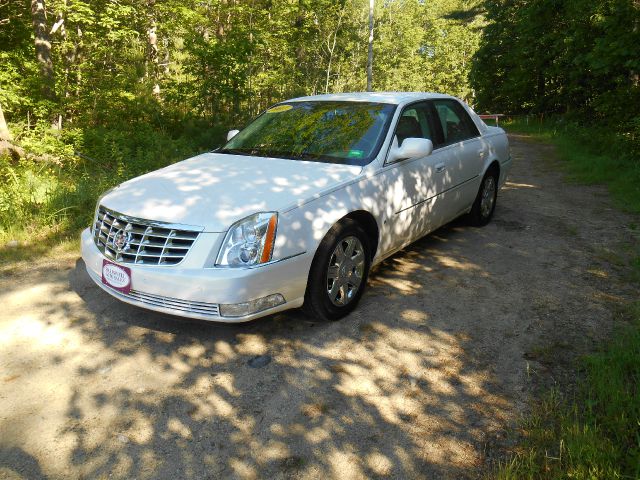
(348, 133)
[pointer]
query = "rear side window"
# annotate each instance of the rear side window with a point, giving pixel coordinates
(455, 121)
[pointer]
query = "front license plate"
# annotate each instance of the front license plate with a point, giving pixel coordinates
(116, 276)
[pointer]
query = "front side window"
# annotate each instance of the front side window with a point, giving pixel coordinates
(455, 122)
(349, 133)
(414, 123)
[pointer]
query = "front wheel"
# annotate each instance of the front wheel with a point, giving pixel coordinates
(485, 203)
(339, 272)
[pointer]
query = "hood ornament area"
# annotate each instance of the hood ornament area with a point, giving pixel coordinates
(122, 238)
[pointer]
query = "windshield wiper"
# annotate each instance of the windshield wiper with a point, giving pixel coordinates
(234, 151)
(252, 152)
(314, 157)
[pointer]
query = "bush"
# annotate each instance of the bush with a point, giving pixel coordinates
(53, 190)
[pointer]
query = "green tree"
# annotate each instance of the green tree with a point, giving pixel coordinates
(559, 56)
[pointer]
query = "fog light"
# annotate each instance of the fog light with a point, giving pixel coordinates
(252, 306)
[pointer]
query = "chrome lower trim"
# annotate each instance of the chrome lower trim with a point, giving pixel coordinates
(195, 309)
(201, 308)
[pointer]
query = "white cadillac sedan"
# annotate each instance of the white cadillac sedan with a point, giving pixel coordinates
(296, 208)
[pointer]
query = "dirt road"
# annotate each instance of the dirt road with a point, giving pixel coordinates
(423, 381)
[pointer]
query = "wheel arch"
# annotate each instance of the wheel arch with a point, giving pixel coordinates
(368, 222)
(364, 219)
(493, 165)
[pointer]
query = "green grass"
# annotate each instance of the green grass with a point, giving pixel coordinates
(635, 269)
(596, 434)
(593, 155)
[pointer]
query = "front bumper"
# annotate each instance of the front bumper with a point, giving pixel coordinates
(196, 292)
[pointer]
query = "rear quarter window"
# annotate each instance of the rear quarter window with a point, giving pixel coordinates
(455, 121)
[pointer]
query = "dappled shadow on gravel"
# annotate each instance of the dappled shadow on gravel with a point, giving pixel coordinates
(389, 391)
(392, 390)
(419, 382)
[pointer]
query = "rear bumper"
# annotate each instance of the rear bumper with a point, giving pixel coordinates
(198, 292)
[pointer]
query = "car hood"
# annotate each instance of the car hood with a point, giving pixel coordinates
(215, 190)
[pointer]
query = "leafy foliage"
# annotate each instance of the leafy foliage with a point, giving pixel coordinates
(577, 57)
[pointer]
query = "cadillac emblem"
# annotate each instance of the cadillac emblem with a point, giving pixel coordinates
(121, 240)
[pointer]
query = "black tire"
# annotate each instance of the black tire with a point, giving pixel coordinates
(480, 215)
(318, 301)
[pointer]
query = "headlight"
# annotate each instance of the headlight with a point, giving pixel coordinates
(249, 241)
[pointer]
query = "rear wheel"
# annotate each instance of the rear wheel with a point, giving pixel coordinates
(485, 203)
(339, 272)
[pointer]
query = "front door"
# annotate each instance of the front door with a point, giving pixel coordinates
(413, 186)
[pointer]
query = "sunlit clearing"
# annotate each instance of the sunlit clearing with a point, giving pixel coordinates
(598, 273)
(380, 464)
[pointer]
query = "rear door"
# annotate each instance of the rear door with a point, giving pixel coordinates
(462, 151)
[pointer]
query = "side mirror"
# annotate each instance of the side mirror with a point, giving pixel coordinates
(410, 148)
(231, 134)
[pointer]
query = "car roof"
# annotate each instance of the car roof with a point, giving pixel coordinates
(395, 98)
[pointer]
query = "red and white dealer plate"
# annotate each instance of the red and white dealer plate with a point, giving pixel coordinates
(116, 276)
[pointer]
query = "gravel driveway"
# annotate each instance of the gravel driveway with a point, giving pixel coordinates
(422, 381)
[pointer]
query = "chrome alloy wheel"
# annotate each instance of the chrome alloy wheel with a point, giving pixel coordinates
(488, 196)
(345, 271)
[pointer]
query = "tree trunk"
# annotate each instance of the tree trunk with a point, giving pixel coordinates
(152, 60)
(152, 70)
(370, 56)
(78, 56)
(66, 61)
(251, 60)
(332, 48)
(5, 134)
(299, 40)
(43, 46)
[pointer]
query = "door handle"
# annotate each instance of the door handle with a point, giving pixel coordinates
(441, 167)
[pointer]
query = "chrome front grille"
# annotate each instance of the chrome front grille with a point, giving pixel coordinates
(133, 240)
